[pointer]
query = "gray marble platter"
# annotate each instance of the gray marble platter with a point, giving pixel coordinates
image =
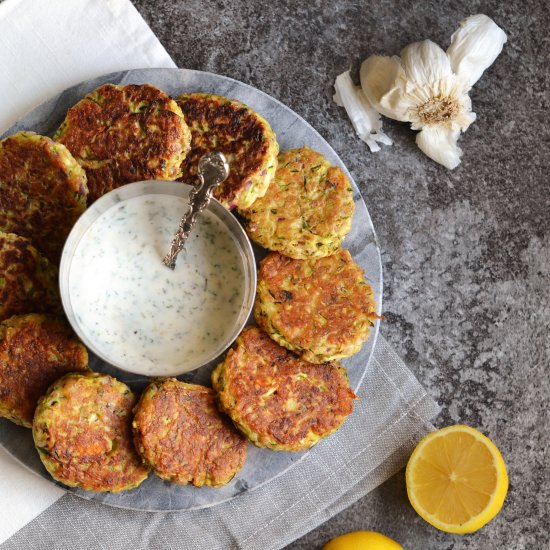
(292, 131)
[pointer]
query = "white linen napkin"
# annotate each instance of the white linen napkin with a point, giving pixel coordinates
(23, 495)
(46, 47)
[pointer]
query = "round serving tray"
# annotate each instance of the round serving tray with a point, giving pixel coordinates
(292, 131)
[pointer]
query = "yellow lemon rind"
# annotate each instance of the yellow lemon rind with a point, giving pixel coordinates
(362, 540)
(497, 500)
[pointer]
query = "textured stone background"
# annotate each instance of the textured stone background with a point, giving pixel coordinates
(465, 253)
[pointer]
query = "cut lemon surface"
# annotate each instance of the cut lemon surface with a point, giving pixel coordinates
(362, 540)
(456, 479)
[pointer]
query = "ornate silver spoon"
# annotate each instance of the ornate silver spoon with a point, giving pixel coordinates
(213, 169)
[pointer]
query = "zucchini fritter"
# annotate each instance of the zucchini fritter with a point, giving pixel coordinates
(277, 400)
(35, 350)
(82, 432)
(323, 309)
(28, 281)
(121, 134)
(181, 434)
(242, 135)
(307, 209)
(42, 191)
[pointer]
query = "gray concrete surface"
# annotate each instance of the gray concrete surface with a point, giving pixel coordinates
(465, 253)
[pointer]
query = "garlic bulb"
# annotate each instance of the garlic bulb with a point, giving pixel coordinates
(364, 118)
(429, 87)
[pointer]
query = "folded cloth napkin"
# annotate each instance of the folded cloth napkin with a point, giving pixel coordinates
(44, 48)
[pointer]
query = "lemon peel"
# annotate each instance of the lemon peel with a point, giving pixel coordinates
(456, 479)
(362, 540)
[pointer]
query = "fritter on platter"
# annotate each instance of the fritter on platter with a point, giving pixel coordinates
(323, 309)
(122, 134)
(42, 191)
(35, 350)
(242, 135)
(83, 434)
(28, 281)
(307, 209)
(181, 434)
(278, 400)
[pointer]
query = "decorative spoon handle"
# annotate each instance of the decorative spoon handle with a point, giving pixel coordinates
(213, 169)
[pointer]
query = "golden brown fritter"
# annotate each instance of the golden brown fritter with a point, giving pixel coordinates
(121, 134)
(277, 400)
(42, 191)
(307, 209)
(243, 136)
(83, 434)
(35, 350)
(181, 434)
(28, 281)
(323, 309)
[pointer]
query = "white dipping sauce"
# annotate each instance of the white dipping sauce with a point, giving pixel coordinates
(138, 313)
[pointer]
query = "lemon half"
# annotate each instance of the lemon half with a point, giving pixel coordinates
(456, 479)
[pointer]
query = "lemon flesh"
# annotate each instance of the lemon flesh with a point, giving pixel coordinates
(456, 479)
(362, 540)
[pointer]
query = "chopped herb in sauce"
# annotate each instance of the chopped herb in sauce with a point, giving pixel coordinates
(147, 318)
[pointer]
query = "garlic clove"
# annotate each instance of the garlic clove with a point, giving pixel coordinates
(474, 47)
(382, 80)
(425, 62)
(440, 144)
(364, 118)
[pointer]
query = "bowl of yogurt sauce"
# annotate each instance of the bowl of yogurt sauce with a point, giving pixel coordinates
(134, 312)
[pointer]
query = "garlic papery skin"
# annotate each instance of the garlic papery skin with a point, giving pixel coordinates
(428, 87)
(440, 144)
(474, 47)
(365, 120)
